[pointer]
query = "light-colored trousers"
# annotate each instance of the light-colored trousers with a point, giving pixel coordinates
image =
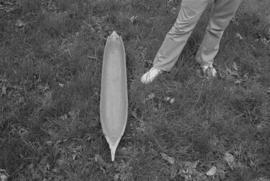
(189, 14)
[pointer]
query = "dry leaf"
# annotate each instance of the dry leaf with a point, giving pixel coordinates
(234, 65)
(238, 35)
(19, 23)
(64, 117)
(172, 100)
(61, 85)
(169, 159)
(133, 19)
(238, 81)
(229, 158)
(212, 171)
(167, 98)
(4, 90)
(150, 96)
(3, 175)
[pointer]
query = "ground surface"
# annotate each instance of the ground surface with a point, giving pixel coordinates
(181, 127)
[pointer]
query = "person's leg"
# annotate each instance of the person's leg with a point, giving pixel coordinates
(223, 12)
(176, 38)
(178, 35)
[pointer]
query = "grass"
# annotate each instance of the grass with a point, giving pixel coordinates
(50, 81)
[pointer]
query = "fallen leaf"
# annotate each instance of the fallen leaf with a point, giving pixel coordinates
(133, 19)
(229, 158)
(150, 96)
(172, 100)
(167, 98)
(169, 159)
(19, 23)
(238, 35)
(238, 81)
(212, 171)
(4, 90)
(61, 85)
(23, 132)
(49, 142)
(64, 117)
(234, 65)
(74, 156)
(3, 175)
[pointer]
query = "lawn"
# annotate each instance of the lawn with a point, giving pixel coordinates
(181, 127)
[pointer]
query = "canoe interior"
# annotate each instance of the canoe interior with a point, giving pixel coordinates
(114, 98)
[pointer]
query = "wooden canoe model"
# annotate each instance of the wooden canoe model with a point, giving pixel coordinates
(114, 96)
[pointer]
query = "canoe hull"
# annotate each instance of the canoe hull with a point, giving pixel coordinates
(114, 96)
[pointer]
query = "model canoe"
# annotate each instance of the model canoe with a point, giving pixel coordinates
(114, 96)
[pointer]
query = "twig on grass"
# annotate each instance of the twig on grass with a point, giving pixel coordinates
(92, 57)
